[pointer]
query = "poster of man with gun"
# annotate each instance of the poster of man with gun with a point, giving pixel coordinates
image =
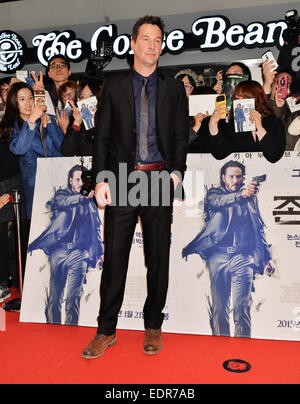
(235, 249)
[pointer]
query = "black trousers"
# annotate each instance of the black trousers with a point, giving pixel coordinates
(4, 257)
(119, 227)
(9, 252)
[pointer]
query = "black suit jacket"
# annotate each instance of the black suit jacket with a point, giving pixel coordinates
(219, 207)
(115, 139)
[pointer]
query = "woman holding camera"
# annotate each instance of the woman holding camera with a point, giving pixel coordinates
(268, 137)
(31, 134)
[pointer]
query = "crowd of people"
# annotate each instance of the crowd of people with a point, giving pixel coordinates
(29, 131)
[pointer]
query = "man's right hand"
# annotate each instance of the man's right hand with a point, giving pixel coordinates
(102, 194)
(4, 199)
(250, 190)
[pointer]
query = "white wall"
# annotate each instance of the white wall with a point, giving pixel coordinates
(36, 14)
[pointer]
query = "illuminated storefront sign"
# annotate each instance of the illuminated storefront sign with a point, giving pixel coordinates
(207, 34)
(12, 52)
(218, 33)
(64, 43)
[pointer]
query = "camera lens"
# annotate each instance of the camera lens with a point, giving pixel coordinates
(108, 51)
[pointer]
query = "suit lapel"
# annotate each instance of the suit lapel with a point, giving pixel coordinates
(161, 94)
(128, 89)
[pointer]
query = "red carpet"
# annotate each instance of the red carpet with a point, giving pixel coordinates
(38, 353)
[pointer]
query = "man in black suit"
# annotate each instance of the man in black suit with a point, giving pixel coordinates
(235, 249)
(120, 145)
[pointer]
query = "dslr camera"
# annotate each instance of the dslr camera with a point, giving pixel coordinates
(292, 34)
(99, 59)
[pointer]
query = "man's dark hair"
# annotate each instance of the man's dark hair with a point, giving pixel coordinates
(72, 171)
(5, 80)
(244, 67)
(234, 164)
(63, 57)
(148, 19)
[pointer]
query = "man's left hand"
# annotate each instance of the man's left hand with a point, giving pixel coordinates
(4, 199)
(175, 179)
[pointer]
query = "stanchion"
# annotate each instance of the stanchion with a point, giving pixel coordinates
(15, 304)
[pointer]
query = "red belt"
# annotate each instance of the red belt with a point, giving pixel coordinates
(149, 167)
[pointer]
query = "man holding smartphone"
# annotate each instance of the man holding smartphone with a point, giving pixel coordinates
(143, 123)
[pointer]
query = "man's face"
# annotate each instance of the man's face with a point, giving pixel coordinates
(233, 178)
(76, 181)
(3, 92)
(148, 45)
(58, 71)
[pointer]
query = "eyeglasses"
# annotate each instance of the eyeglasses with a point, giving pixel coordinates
(58, 66)
(4, 90)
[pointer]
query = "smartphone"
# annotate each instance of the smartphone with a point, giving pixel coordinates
(282, 84)
(270, 57)
(221, 101)
(39, 97)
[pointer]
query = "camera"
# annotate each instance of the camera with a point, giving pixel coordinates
(99, 59)
(39, 97)
(87, 179)
(292, 34)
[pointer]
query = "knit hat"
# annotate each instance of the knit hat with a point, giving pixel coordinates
(191, 75)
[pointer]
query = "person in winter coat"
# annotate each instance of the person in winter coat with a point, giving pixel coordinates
(31, 133)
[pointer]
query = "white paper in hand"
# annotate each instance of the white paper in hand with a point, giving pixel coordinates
(202, 103)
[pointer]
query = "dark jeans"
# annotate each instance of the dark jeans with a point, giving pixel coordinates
(68, 270)
(231, 276)
(240, 126)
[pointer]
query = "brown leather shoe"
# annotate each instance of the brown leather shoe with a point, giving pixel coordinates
(97, 346)
(153, 341)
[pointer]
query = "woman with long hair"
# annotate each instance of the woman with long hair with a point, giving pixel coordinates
(31, 134)
(10, 181)
(268, 136)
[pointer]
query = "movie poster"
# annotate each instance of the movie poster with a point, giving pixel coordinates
(65, 251)
(235, 251)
